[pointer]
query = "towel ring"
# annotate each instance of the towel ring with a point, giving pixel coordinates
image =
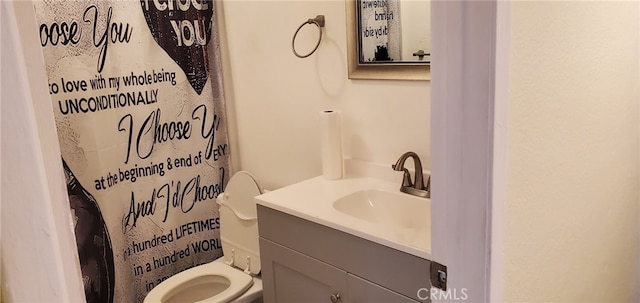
(319, 22)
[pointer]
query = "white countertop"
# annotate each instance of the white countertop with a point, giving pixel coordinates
(312, 200)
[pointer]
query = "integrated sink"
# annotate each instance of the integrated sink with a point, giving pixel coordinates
(402, 216)
(395, 210)
(368, 205)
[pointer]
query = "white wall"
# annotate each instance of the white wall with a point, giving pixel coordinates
(40, 248)
(636, 297)
(571, 230)
(276, 96)
(463, 161)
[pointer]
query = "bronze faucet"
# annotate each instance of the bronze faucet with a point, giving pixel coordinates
(417, 187)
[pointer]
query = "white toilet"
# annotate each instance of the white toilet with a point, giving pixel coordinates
(233, 277)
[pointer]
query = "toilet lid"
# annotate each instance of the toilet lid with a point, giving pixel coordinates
(239, 222)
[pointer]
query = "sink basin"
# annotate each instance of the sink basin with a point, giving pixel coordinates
(366, 203)
(405, 217)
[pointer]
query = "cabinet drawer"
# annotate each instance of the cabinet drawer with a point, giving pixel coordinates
(363, 291)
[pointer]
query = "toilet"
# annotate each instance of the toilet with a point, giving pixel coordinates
(235, 276)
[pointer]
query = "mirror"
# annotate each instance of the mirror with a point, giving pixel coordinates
(384, 35)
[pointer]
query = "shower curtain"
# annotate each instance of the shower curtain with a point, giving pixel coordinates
(136, 90)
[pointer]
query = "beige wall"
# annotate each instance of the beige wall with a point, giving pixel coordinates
(571, 230)
(277, 96)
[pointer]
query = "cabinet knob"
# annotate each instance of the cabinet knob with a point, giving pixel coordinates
(335, 298)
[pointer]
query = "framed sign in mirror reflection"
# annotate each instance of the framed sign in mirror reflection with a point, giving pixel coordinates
(388, 39)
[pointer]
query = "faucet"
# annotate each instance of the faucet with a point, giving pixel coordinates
(417, 187)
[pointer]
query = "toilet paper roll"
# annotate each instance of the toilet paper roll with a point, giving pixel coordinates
(331, 145)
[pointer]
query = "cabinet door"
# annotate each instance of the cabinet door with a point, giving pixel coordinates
(363, 291)
(291, 277)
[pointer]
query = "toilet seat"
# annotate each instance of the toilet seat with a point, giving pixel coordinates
(181, 287)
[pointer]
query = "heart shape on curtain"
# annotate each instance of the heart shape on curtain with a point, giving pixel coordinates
(183, 29)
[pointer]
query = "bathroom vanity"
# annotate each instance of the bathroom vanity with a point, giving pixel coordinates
(314, 249)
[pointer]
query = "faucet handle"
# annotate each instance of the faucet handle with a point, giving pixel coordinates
(406, 178)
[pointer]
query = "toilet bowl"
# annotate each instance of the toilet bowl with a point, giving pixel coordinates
(235, 276)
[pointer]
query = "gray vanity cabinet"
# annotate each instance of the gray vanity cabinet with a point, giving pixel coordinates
(303, 261)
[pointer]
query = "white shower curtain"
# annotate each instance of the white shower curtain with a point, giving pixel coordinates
(136, 91)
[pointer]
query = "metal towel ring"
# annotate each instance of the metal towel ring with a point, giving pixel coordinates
(319, 22)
